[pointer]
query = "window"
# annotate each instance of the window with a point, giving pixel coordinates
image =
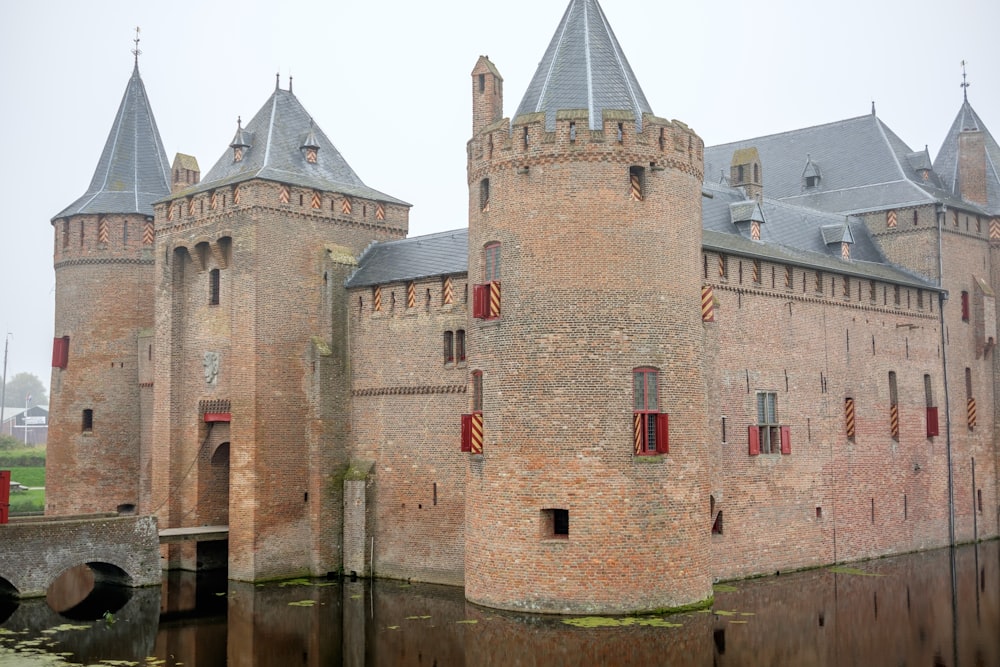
(849, 417)
(965, 306)
(213, 287)
(637, 183)
(812, 181)
(650, 428)
(484, 195)
(932, 411)
(449, 347)
(555, 523)
(768, 436)
(460, 345)
(88, 421)
(486, 296)
(472, 424)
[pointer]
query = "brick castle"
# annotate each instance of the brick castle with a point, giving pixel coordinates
(644, 366)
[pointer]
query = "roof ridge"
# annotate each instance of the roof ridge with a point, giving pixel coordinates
(800, 129)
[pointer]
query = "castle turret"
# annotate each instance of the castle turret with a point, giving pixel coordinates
(104, 299)
(587, 488)
(251, 410)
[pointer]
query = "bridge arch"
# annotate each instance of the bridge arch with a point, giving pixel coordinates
(118, 549)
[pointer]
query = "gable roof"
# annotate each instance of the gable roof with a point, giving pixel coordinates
(946, 162)
(865, 167)
(583, 68)
(274, 138)
(798, 235)
(133, 171)
(441, 254)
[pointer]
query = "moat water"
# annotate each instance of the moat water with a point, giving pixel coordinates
(929, 609)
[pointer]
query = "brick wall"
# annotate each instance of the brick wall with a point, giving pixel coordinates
(406, 407)
(97, 469)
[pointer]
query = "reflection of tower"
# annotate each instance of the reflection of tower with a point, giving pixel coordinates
(586, 210)
(104, 299)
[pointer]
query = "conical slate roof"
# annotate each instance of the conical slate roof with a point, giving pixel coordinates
(946, 162)
(133, 171)
(584, 68)
(275, 138)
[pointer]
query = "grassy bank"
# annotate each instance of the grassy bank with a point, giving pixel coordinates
(27, 466)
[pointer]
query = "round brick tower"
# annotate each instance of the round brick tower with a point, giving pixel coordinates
(103, 257)
(587, 394)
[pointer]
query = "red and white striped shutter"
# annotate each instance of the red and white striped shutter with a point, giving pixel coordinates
(637, 433)
(494, 308)
(753, 438)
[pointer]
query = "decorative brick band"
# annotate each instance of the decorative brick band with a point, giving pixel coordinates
(831, 301)
(402, 391)
(102, 260)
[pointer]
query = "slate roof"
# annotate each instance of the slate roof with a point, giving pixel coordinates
(797, 235)
(441, 254)
(946, 162)
(275, 137)
(583, 68)
(133, 171)
(863, 165)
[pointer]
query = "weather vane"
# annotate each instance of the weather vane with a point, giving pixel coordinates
(136, 52)
(965, 84)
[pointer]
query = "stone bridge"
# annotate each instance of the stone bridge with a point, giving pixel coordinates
(123, 550)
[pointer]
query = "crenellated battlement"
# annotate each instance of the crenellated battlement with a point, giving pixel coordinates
(526, 141)
(187, 209)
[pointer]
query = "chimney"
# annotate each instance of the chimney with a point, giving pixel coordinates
(972, 166)
(487, 95)
(184, 173)
(745, 171)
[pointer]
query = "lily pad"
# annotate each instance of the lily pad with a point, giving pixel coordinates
(416, 618)
(469, 621)
(302, 603)
(607, 622)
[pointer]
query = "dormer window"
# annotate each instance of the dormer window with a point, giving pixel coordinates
(310, 146)
(810, 175)
(241, 142)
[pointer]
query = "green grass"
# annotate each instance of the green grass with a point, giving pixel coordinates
(30, 457)
(27, 476)
(27, 501)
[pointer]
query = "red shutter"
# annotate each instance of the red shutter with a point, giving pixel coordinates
(60, 352)
(662, 433)
(786, 440)
(479, 301)
(754, 440)
(466, 433)
(932, 422)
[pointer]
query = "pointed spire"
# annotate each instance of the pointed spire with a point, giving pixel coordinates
(133, 171)
(584, 68)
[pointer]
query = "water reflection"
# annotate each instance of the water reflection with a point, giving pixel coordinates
(936, 608)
